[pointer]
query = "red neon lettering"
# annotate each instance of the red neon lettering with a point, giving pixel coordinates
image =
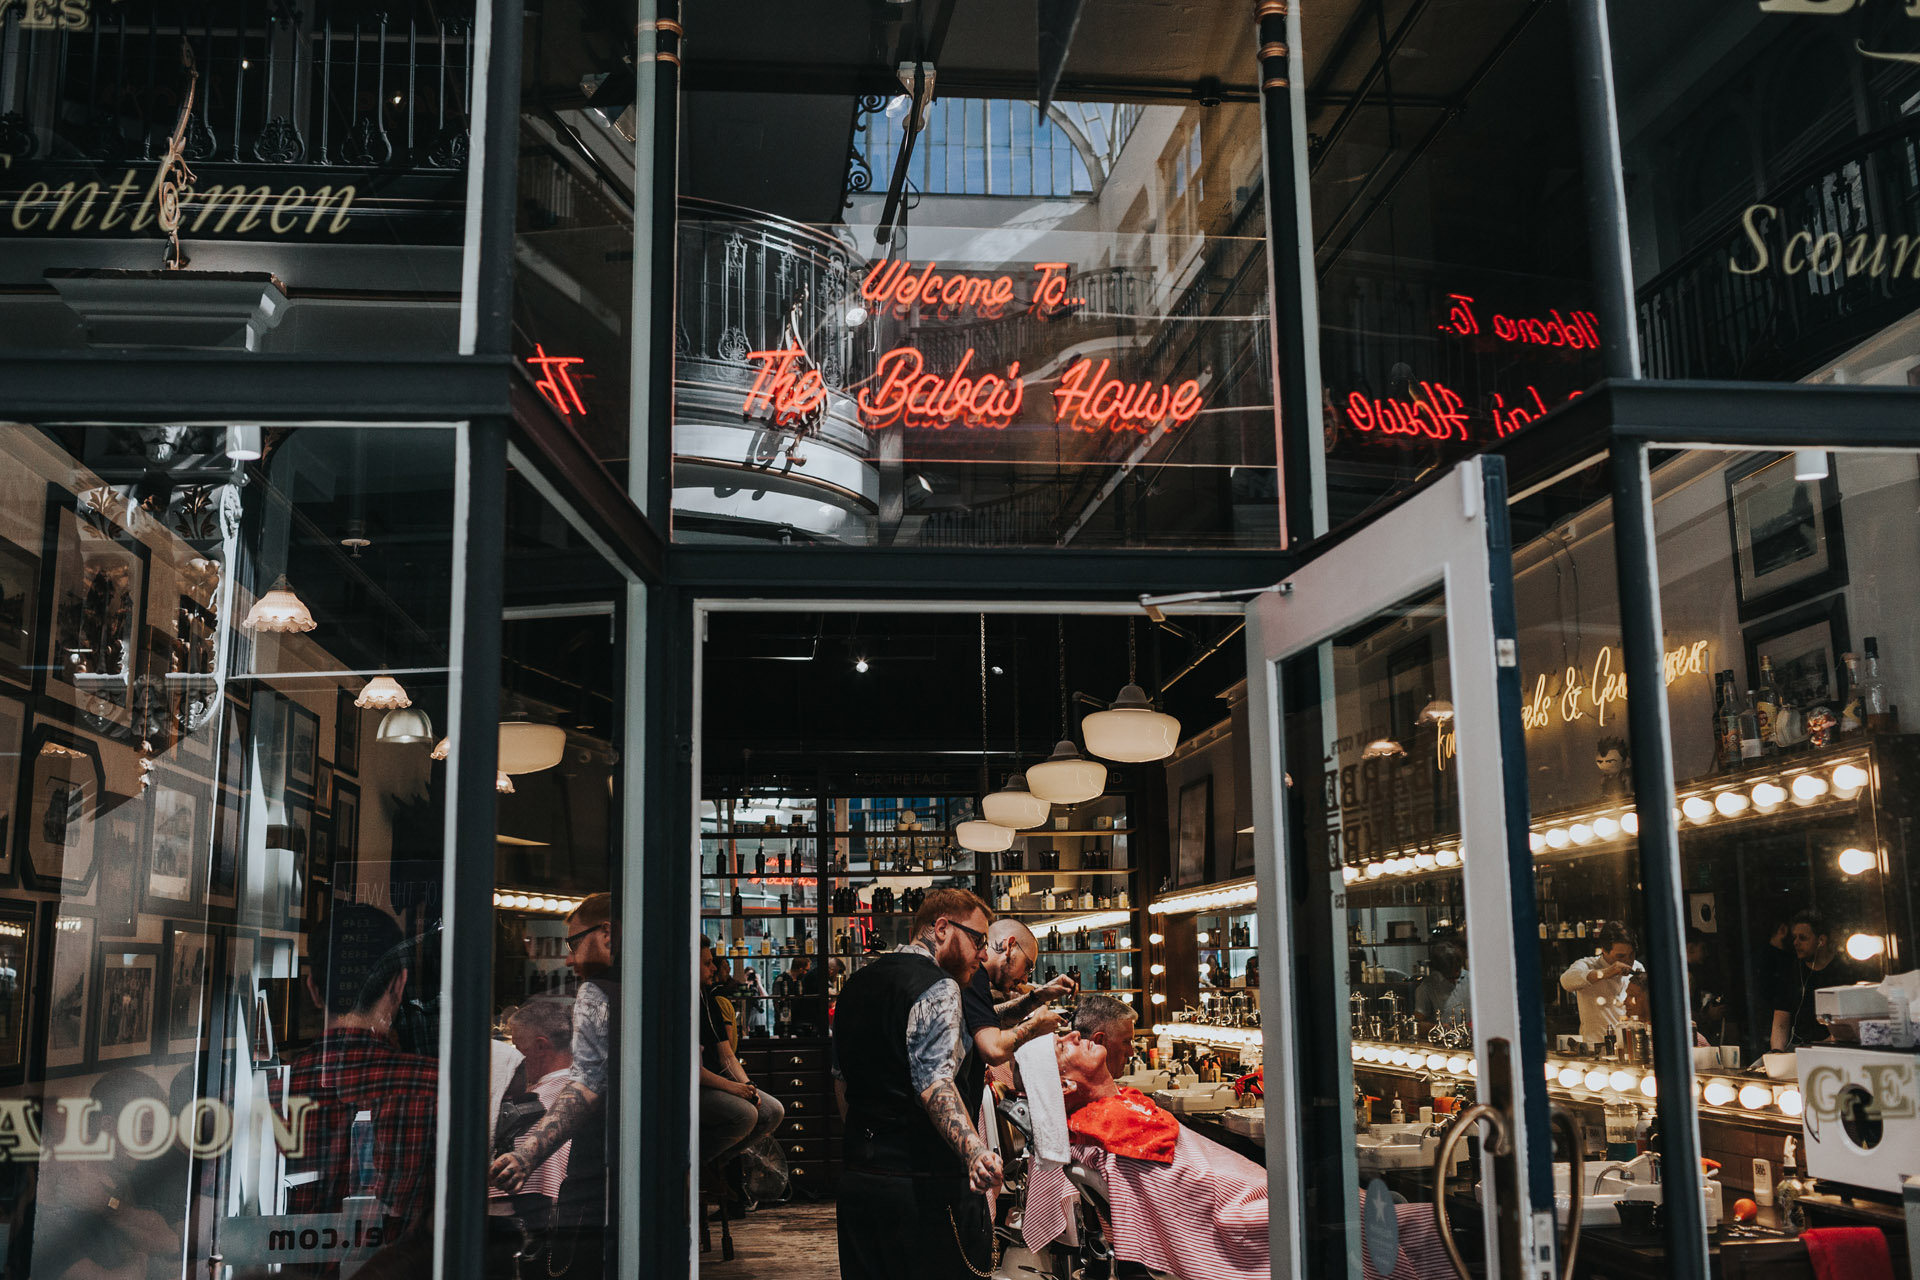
(777, 391)
(556, 383)
(1460, 317)
(893, 283)
(903, 393)
(1578, 330)
(1088, 400)
(1435, 412)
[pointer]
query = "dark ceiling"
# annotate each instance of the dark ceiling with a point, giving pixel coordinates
(783, 686)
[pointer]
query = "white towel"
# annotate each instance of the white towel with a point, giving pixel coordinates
(1050, 1197)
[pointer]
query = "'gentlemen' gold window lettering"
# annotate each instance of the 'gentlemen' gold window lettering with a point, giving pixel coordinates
(236, 208)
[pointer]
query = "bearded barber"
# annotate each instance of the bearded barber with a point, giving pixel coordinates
(912, 1191)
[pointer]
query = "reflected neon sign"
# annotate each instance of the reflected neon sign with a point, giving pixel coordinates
(556, 381)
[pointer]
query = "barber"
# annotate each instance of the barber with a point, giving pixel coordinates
(1000, 1015)
(911, 1201)
(1599, 982)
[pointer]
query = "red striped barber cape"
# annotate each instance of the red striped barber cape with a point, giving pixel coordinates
(1203, 1217)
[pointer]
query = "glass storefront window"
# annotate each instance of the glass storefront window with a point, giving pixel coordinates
(1048, 329)
(225, 843)
(1449, 229)
(1770, 151)
(263, 178)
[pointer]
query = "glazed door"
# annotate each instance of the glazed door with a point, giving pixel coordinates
(1409, 1126)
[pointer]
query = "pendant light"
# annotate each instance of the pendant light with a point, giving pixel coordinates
(977, 834)
(279, 610)
(1130, 730)
(1066, 777)
(404, 725)
(526, 747)
(382, 693)
(502, 783)
(442, 749)
(1013, 805)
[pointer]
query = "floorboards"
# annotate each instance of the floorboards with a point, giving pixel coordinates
(785, 1242)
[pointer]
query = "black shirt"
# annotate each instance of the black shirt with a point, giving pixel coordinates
(976, 1005)
(714, 1032)
(1796, 997)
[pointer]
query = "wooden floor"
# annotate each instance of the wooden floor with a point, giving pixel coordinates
(786, 1242)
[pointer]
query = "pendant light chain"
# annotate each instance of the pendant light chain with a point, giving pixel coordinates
(1062, 624)
(984, 780)
(1132, 653)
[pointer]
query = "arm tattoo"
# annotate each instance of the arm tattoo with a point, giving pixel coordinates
(949, 1116)
(568, 1115)
(1019, 1007)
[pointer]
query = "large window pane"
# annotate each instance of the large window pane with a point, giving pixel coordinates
(222, 683)
(320, 179)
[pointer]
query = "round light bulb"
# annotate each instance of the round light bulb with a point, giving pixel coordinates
(1435, 1061)
(1718, 1093)
(1536, 841)
(1755, 1096)
(1790, 1102)
(1697, 808)
(1569, 1077)
(1423, 862)
(1473, 1068)
(1155, 939)
(1849, 777)
(1621, 1081)
(1857, 861)
(1202, 937)
(1581, 833)
(1126, 971)
(1157, 969)
(1374, 870)
(1357, 1051)
(1606, 828)
(1768, 794)
(1596, 1080)
(1399, 1058)
(1732, 803)
(1159, 997)
(1553, 1072)
(1447, 857)
(1809, 787)
(1558, 838)
(1125, 943)
(1649, 1087)
(1865, 946)
(1349, 874)
(1456, 1064)
(1630, 823)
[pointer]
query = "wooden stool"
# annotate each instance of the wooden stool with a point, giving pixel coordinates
(713, 1190)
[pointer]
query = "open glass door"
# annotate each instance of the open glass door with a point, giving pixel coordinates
(1390, 799)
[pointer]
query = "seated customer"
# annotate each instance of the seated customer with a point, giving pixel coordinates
(732, 1112)
(1181, 1203)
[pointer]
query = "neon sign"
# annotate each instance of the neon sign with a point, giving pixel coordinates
(556, 382)
(1581, 332)
(1436, 412)
(893, 283)
(903, 393)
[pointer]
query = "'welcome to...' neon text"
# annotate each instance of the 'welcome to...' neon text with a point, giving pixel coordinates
(894, 283)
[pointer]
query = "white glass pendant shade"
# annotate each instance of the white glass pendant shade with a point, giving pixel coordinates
(279, 610)
(1130, 729)
(1067, 777)
(403, 725)
(526, 747)
(984, 837)
(383, 693)
(503, 784)
(1014, 806)
(442, 749)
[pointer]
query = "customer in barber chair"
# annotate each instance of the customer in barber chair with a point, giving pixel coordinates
(1179, 1203)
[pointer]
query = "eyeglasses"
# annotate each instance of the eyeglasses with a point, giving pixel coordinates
(573, 939)
(979, 938)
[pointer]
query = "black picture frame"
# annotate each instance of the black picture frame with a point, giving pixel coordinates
(232, 791)
(1194, 830)
(302, 746)
(117, 897)
(1799, 549)
(127, 1009)
(85, 555)
(15, 719)
(189, 987)
(346, 733)
(57, 760)
(345, 828)
(68, 990)
(178, 814)
(20, 953)
(1805, 645)
(19, 613)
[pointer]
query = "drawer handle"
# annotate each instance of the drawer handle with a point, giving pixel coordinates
(797, 1149)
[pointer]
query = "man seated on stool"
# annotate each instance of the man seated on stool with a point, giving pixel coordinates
(1181, 1203)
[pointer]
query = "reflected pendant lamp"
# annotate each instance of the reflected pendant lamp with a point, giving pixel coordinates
(1014, 806)
(1067, 777)
(382, 693)
(404, 725)
(983, 837)
(526, 747)
(279, 610)
(442, 749)
(1130, 730)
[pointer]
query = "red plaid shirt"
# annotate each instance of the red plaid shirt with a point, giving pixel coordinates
(350, 1070)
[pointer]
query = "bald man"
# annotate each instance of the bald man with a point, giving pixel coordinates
(1001, 1011)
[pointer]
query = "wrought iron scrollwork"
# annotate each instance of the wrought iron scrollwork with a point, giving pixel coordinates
(279, 142)
(859, 172)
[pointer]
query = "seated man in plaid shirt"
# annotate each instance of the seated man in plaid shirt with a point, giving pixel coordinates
(357, 972)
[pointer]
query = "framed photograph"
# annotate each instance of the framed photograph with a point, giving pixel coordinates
(230, 810)
(118, 898)
(59, 830)
(13, 745)
(96, 590)
(175, 805)
(346, 826)
(70, 988)
(1196, 833)
(190, 988)
(346, 733)
(19, 950)
(19, 612)
(302, 746)
(128, 982)
(323, 789)
(1788, 545)
(1804, 646)
(300, 841)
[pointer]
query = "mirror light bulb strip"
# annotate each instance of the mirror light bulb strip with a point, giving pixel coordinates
(1239, 893)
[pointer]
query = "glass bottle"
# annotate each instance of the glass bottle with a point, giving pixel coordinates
(1875, 700)
(1749, 730)
(760, 861)
(1788, 1192)
(1727, 722)
(1852, 715)
(739, 907)
(1767, 708)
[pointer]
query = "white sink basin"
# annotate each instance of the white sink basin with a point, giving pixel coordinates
(1377, 1151)
(1251, 1121)
(1598, 1210)
(1205, 1097)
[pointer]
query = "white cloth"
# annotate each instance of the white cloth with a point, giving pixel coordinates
(1048, 1213)
(505, 1058)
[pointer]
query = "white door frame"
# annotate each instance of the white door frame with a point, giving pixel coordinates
(1439, 538)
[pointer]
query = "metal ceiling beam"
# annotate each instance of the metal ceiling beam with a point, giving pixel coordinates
(716, 76)
(1375, 74)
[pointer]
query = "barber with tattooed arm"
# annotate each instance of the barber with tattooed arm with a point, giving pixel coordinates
(912, 1192)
